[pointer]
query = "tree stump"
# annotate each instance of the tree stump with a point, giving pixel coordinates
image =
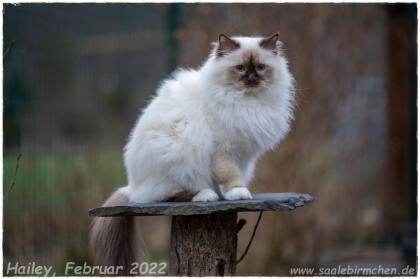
(203, 245)
(204, 234)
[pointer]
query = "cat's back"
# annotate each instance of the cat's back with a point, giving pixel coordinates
(175, 96)
(183, 85)
(177, 105)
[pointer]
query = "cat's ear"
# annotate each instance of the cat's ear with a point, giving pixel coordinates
(272, 43)
(226, 45)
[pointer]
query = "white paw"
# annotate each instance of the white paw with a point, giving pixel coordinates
(206, 195)
(238, 193)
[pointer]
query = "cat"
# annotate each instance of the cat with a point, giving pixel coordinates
(202, 134)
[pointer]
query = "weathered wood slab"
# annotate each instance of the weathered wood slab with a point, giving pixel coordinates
(260, 202)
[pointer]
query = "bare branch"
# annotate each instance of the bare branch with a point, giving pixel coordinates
(12, 183)
(12, 44)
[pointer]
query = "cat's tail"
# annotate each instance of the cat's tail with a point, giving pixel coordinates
(114, 240)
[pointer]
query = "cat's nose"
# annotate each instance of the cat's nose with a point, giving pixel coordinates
(252, 78)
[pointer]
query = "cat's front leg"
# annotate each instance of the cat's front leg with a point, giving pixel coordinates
(227, 174)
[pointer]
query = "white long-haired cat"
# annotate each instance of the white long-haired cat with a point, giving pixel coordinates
(202, 134)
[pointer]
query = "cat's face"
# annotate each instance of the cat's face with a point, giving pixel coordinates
(248, 63)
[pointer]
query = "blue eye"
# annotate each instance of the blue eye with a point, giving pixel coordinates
(240, 68)
(261, 67)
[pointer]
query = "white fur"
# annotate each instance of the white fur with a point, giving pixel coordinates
(205, 195)
(170, 148)
(238, 193)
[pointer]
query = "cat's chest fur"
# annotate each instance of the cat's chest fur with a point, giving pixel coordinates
(249, 127)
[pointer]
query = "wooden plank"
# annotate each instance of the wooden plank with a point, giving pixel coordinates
(260, 202)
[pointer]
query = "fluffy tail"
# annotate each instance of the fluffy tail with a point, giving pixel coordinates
(114, 240)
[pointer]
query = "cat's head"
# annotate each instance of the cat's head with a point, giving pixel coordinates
(247, 63)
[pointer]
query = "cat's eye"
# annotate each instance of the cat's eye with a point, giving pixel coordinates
(240, 68)
(261, 67)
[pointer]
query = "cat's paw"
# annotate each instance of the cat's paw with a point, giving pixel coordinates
(238, 193)
(206, 195)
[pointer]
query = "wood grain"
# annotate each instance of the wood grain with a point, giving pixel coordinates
(203, 245)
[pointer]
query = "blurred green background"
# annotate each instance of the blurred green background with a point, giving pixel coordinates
(76, 76)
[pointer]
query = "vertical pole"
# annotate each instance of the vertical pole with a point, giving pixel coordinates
(402, 124)
(171, 28)
(203, 245)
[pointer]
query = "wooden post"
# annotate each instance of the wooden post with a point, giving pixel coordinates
(203, 245)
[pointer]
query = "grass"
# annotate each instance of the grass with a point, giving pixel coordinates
(45, 214)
